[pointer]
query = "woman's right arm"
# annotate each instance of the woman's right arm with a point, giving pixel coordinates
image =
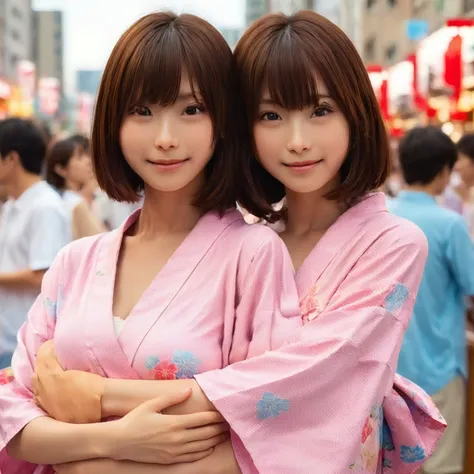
(144, 435)
(47, 441)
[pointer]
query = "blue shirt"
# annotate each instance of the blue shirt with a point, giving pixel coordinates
(434, 348)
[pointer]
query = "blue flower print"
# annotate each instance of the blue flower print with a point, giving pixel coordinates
(387, 463)
(51, 308)
(270, 406)
(387, 440)
(187, 364)
(396, 298)
(151, 362)
(410, 454)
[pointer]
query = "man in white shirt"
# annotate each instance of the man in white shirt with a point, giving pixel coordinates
(34, 227)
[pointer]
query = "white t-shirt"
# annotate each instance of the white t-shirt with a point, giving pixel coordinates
(32, 231)
(112, 212)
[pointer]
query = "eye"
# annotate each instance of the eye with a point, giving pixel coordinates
(142, 111)
(193, 110)
(270, 116)
(322, 111)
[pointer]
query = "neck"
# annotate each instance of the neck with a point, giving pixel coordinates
(310, 212)
(431, 189)
(72, 186)
(21, 183)
(167, 212)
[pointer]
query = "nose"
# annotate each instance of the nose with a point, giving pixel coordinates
(165, 139)
(299, 140)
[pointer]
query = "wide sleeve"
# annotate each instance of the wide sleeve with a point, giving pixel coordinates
(267, 311)
(315, 404)
(17, 405)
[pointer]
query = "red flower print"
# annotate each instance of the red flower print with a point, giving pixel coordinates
(366, 430)
(6, 376)
(165, 371)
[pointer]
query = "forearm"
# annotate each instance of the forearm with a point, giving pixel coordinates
(122, 396)
(221, 461)
(22, 279)
(47, 441)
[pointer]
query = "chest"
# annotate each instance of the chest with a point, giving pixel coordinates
(139, 264)
(299, 248)
(182, 324)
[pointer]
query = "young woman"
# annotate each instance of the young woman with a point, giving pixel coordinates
(319, 140)
(69, 171)
(184, 286)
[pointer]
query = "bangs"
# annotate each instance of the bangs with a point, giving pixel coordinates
(288, 73)
(153, 74)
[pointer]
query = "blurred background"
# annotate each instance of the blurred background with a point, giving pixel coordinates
(419, 53)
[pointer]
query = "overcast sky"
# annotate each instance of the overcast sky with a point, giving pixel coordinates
(92, 27)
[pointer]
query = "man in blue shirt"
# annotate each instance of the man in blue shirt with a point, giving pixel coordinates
(433, 353)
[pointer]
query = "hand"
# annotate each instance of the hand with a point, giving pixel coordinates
(70, 396)
(147, 436)
(92, 466)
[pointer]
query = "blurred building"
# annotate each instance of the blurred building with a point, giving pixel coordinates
(49, 44)
(16, 35)
(254, 9)
(386, 38)
(88, 82)
(347, 14)
(231, 35)
(290, 6)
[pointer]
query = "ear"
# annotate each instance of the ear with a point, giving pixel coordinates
(60, 171)
(13, 156)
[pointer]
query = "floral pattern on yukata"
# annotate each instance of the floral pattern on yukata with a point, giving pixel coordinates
(310, 305)
(6, 376)
(183, 365)
(271, 406)
(53, 307)
(396, 298)
(371, 442)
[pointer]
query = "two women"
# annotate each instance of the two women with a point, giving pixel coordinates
(222, 293)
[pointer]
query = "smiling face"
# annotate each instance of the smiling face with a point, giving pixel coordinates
(303, 149)
(169, 147)
(314, 118)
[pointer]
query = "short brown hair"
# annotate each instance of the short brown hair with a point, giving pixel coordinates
(59, 154)
(284, 54)
(146, 66)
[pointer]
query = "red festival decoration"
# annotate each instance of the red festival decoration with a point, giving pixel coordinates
(453, 67)
(382, 95)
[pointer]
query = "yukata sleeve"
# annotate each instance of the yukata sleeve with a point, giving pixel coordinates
(314, 405)
(17, 405)
(267, 312)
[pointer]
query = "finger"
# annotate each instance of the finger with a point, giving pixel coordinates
(205, 432)
(165, 401)
(193, 456)
(199, 419)
(200, 446)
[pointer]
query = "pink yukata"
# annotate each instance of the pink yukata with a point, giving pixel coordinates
(329, 402)
(227, 293)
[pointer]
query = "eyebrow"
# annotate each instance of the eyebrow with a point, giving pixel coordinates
(271, 102)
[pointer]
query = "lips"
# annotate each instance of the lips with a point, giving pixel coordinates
(302, 164)
(167, 162)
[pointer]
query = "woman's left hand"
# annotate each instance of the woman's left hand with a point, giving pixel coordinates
(93, 466)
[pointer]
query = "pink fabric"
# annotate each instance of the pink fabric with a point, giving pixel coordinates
(227, 293)
(319, 399)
